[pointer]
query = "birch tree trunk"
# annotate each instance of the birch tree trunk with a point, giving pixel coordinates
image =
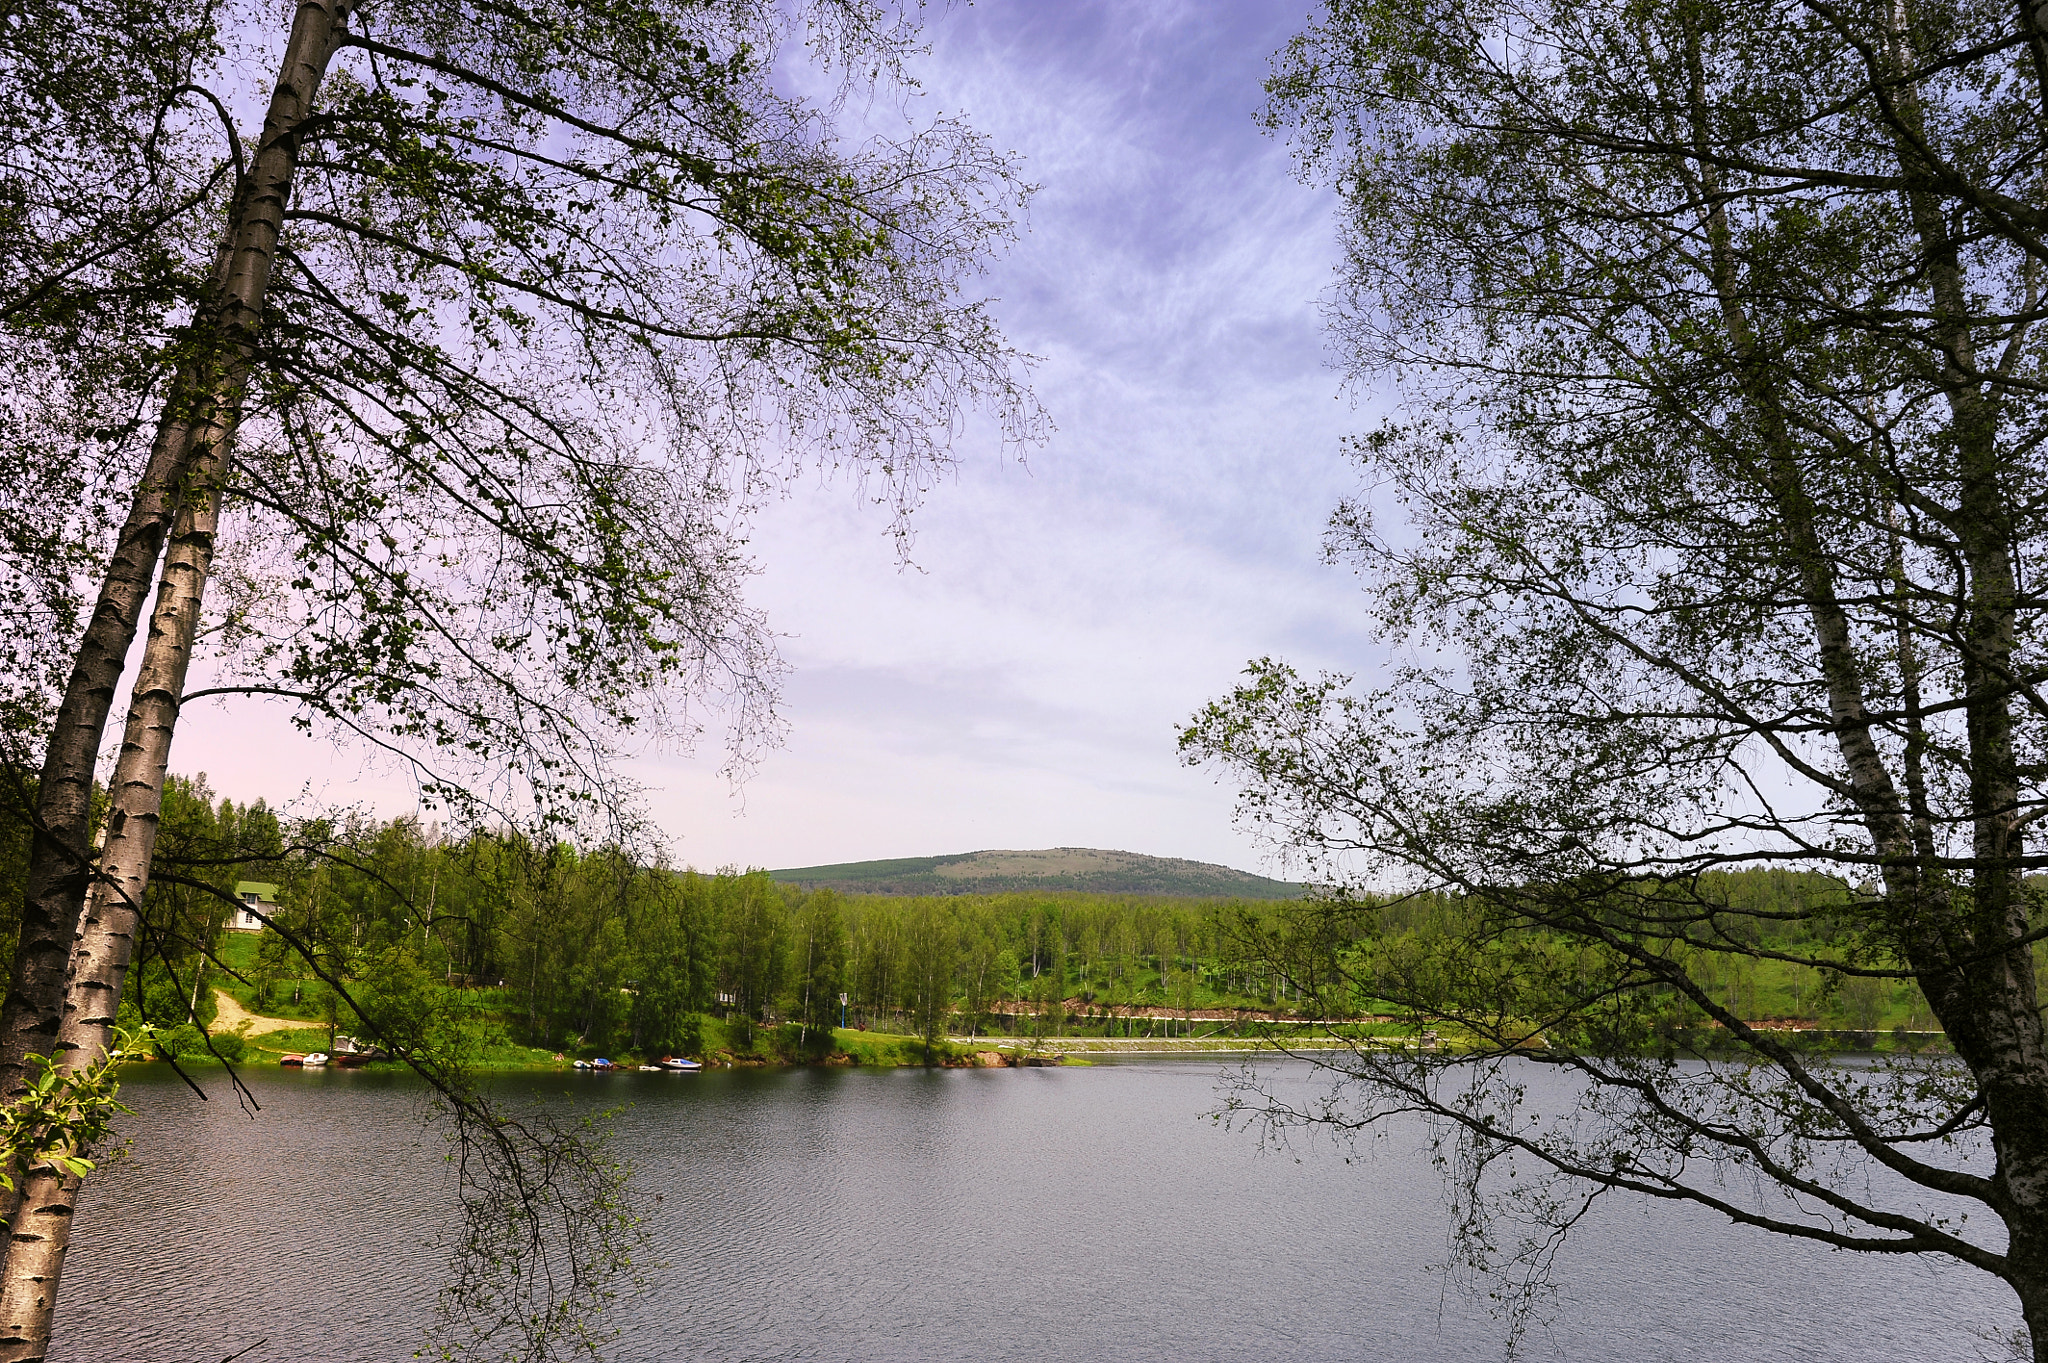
(60, 862)
(100, 956)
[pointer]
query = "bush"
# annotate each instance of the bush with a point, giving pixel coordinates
(185, 1042)
(153, 996)
(792, 1047)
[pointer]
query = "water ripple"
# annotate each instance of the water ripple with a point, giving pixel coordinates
(907, 1216)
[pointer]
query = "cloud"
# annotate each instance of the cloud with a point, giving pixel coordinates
(1021, 684)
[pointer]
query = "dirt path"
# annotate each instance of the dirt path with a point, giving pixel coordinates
(232, 1015)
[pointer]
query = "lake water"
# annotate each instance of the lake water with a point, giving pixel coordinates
(1054, 1214)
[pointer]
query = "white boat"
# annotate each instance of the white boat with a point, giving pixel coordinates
(681, 1065)
(316, 1061)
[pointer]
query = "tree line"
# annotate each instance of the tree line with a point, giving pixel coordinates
(593, 950)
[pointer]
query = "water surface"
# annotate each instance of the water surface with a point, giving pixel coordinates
(944, 1215)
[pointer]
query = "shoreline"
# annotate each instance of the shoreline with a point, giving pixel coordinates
(725, 1045)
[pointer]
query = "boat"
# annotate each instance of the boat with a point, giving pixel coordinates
(580, 1065)
(350, 1053)
(316, 1061)
(680, 1065)
(650, 1069)
(295, 1059)
(602, 1064)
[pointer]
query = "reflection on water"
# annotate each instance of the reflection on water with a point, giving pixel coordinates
(912, 1215)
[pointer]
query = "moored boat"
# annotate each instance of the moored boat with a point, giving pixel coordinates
(294, 1059)
(680, 1065)
(316, 1061)
(349, 1053)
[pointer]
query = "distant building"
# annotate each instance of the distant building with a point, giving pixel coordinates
(256, 897)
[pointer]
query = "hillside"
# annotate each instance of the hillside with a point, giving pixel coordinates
(1055, 868)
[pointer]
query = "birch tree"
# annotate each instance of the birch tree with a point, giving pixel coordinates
(97, 193)
(505, 320)
(930, 948)
(1705, 539)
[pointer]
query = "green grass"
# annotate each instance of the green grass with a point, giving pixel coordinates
(499, 1056)
(771, 1046)
(237, 951)
(884, 1049)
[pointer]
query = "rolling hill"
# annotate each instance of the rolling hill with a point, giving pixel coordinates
(1054, 868)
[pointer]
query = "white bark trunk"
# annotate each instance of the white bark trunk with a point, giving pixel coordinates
(41, 1233)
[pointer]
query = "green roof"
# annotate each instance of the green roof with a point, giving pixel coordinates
(262, 891)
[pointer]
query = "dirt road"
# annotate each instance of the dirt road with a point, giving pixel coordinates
(233, 1015)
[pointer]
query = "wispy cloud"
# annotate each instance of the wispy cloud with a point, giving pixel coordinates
(1020, 686)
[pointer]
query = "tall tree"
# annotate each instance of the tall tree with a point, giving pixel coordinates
(674, 962)
(103, 179)
(1718, 330)
(930, 948)
(818, 962)
(507, 318)
(102, 184)
(754, 929)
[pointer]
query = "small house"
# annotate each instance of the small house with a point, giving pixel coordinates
(253, 897)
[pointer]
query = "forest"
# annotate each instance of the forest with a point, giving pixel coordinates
(391, 928)
(1687, 706)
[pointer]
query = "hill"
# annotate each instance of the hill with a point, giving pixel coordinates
(1085, 869)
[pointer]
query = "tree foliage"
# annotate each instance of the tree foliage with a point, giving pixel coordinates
(436, 402)
(462, 943)
(97, 202)
(1715, 331)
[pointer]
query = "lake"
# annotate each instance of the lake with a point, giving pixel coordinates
(1073, 1213)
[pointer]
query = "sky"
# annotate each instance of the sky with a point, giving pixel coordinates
(1020, 683)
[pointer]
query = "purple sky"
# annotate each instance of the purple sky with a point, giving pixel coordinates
(1021, 685)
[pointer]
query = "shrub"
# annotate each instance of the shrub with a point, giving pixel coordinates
(186, 1042)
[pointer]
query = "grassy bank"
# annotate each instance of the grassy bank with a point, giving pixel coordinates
(725, 1045)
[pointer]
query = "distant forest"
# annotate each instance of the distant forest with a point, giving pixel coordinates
(588, 950)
